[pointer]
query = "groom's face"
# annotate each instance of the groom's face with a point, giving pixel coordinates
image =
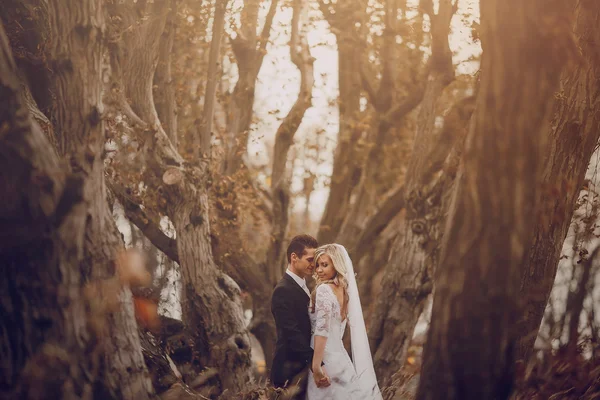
(304, 265)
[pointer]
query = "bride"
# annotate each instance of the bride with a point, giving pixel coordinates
(334, 304)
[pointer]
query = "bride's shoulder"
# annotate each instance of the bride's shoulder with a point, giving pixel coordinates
(325, 289)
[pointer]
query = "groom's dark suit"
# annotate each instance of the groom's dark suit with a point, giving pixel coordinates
(293, 353)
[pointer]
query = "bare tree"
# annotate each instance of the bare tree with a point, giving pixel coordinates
(343, 17)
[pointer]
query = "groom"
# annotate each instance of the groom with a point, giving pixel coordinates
(289, 305)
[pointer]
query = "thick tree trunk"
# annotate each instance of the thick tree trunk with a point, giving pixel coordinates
(211, 311)
(77, 83)
(573, 138)
(471, 341)
(64, 342)
(42, 333)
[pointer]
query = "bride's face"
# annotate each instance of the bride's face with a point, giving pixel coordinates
(324, 268)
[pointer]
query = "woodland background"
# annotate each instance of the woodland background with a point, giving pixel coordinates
(156, 157)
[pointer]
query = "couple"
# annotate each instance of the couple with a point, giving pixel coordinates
(310, 326)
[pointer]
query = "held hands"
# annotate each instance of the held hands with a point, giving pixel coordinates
(321, 378)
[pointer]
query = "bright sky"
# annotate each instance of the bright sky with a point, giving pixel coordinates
(279, 82)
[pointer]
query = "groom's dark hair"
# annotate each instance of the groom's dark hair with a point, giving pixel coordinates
(300, 243)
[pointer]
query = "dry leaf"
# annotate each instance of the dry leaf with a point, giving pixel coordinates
(146, 312)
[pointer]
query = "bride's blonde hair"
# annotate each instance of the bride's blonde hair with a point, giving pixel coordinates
(334, 251)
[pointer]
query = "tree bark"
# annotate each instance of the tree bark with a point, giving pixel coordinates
(211, 311)
(42, 346)
(573, 138)
(76, 59)
(67, 339)
(471, 340)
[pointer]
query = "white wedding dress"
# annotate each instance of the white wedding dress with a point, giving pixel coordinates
(346, 384)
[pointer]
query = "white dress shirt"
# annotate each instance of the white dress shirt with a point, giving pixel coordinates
(300, 281)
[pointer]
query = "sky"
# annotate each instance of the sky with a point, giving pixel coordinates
(279, 81)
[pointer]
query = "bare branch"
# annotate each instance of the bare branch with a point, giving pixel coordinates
(389, 56)
(266, 32)
(366, 75)
(164, 98)
(455, 126)
(149, 228)
(211, 85)
(300, 54)
(393, 204)
(408, 103)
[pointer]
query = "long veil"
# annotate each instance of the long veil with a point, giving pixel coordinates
(361, 353)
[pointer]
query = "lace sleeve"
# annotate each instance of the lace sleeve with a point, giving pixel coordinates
(323, 310)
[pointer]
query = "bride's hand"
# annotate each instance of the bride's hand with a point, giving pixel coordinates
(320, 377)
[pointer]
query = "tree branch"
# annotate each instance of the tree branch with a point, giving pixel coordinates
(164, 93)
(205, 128)
(389, 56)
(426, 7)
(149, 228)
(368, 83)
(454, 127)
(402, 108)
(301, 57)
(266, 32)
(378, 222)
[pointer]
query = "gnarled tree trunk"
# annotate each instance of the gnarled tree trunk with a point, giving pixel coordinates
(471, 340)
(211, 309)
(68, 338)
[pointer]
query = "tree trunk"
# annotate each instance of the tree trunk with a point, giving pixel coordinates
(471, 340)
(211, 312)
(346, 169)
(573, 138)
(42, 337)
(64, 343)
(77, 84)
(409, 277)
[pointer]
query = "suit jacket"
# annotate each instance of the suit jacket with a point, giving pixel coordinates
(289, 305)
